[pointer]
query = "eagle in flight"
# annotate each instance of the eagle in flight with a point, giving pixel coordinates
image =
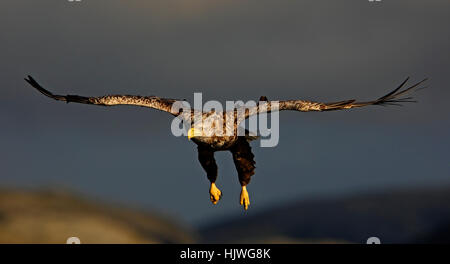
(203, 134)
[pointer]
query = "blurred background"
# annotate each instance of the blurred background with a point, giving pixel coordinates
(118, 175)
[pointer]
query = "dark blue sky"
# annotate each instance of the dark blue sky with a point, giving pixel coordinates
(228, 50)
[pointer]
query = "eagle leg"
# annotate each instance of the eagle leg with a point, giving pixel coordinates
(245, 166)
(206, 158)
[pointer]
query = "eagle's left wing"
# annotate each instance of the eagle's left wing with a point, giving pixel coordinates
(155, 102)
(392, 98)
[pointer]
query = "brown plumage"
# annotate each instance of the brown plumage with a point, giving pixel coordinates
(210, 138)
(243, 160)
(392, 98)
(162, 104)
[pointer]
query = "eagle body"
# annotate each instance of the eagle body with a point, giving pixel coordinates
(215, 131)
(218, 143)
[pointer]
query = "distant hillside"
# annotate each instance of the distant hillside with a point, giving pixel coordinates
(52, 217)
(403, 216)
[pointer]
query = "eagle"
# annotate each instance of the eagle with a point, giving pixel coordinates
(202, 132)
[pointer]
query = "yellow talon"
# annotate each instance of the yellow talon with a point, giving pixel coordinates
(245, 200)
(215, 193)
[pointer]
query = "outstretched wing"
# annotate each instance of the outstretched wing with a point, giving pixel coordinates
(392, 98)
(162, 104)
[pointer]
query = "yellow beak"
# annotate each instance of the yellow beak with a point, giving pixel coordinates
(191, 133)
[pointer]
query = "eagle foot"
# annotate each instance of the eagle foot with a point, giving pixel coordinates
(214, 193)
(245, 200)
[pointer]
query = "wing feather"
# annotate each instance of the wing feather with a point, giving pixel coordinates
(392, 98)
(158, 103)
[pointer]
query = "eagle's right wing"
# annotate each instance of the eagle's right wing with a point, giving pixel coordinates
(392, 98)
(162, 104)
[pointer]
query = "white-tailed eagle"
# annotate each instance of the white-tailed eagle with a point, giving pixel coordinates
(203, 133)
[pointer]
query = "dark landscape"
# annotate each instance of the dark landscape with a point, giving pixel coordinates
(396, 216)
